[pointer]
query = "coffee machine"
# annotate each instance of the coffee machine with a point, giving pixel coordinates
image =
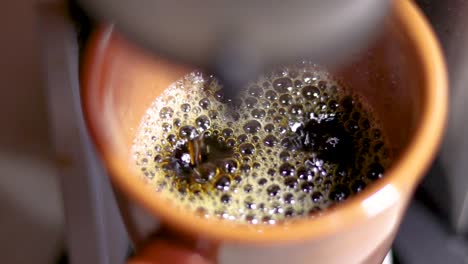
(238, 40)
(434, 230)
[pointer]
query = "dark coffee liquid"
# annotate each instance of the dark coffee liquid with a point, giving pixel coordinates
(294, 143)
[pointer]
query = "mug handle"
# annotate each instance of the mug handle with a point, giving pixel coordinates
(165, 252)
(169, 247)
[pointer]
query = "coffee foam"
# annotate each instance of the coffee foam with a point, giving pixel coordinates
(272, 179)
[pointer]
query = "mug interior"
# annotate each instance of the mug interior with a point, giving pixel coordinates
(121, 81)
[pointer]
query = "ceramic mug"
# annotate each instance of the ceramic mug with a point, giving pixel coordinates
(402, 76)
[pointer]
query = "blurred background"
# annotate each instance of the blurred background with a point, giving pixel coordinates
(31, 215)
(42, 146)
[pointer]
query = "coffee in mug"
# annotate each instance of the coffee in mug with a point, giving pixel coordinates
(293, 143)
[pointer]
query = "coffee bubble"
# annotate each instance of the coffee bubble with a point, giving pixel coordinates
(282, 85)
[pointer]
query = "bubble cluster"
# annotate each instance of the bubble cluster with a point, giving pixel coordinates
(292, 144)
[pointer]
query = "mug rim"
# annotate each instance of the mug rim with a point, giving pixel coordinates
(400, 178)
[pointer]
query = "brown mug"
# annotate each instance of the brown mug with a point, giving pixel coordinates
(402, 76)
